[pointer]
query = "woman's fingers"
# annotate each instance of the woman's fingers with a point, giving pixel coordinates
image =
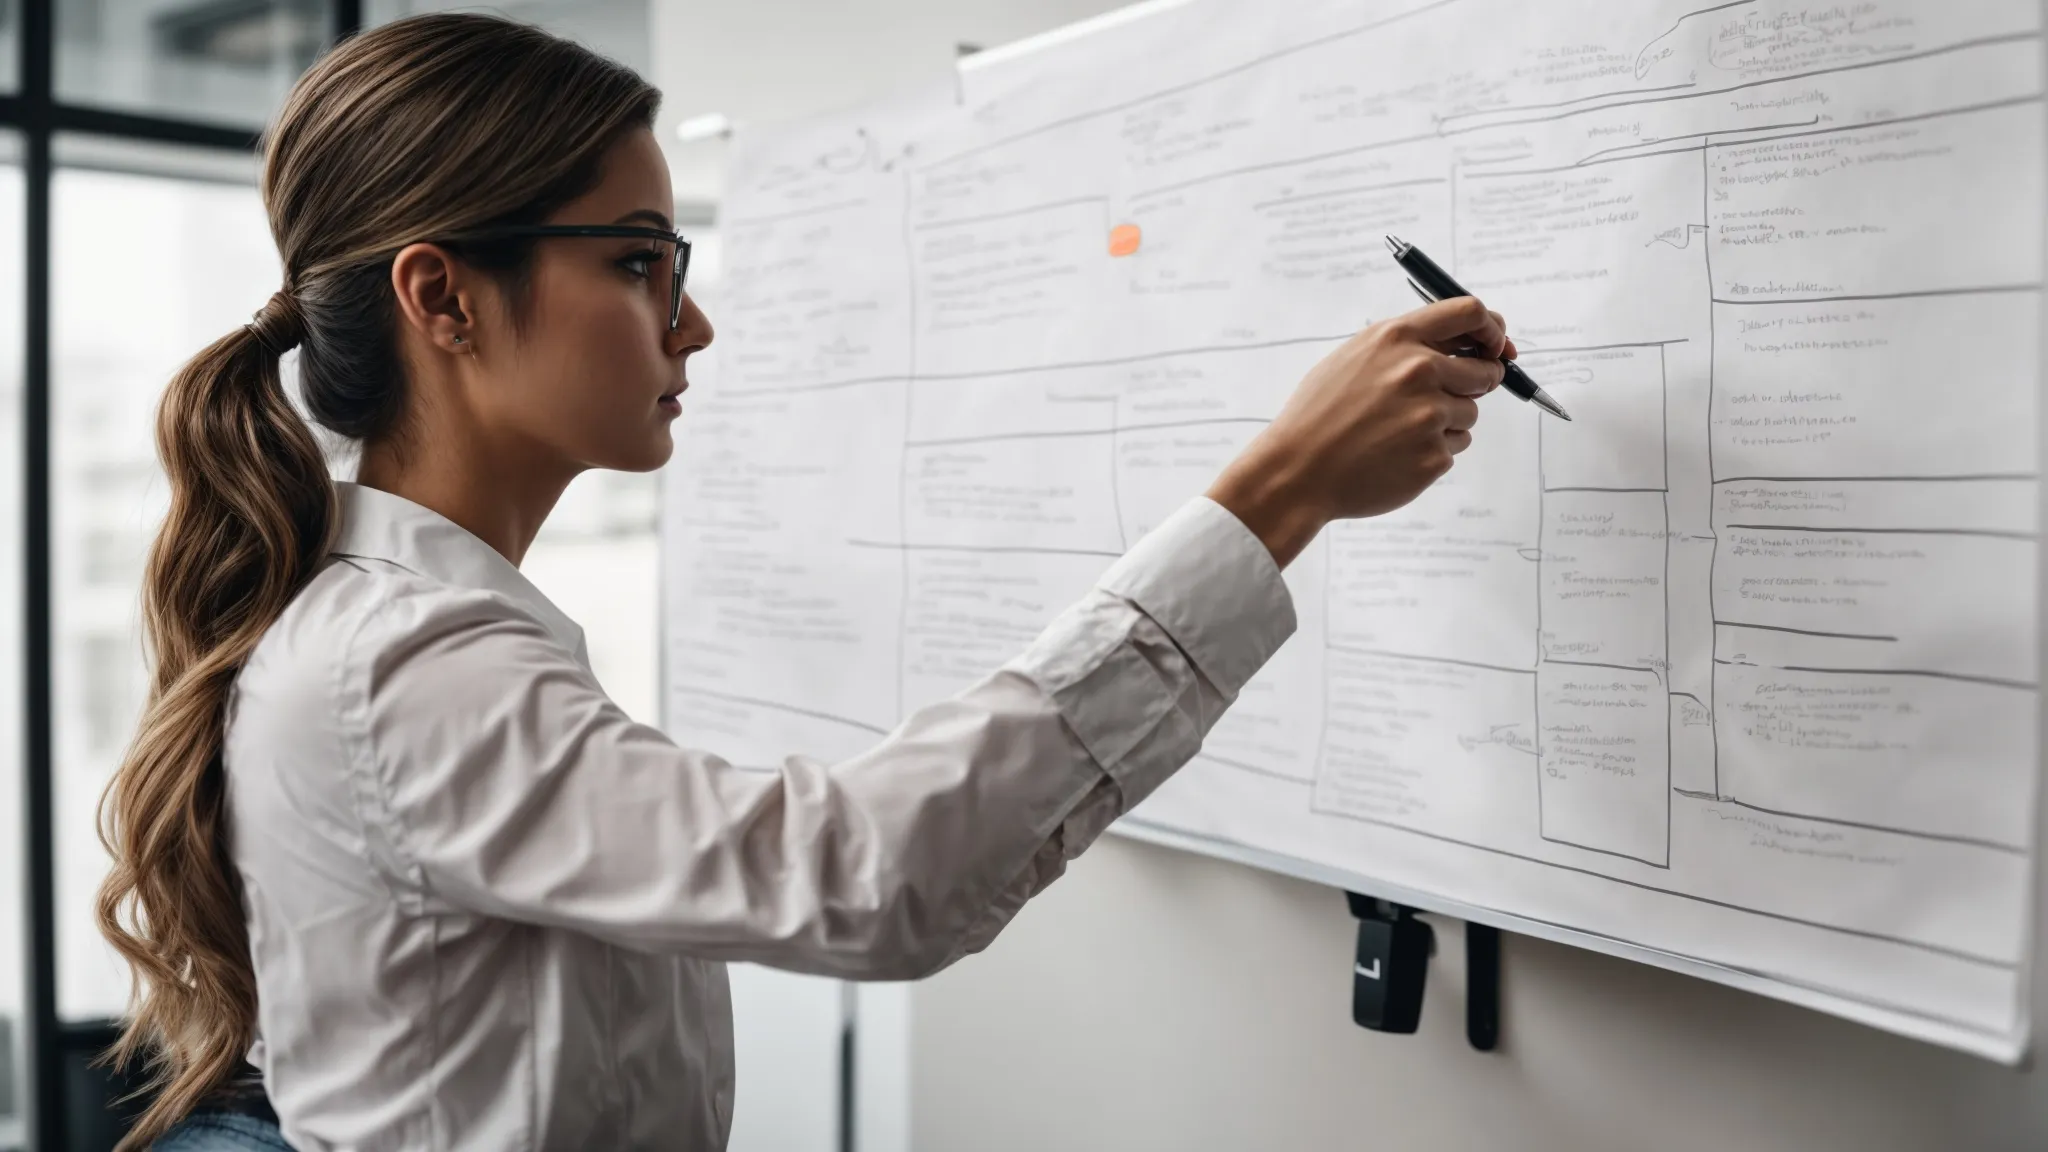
(1460, 414)
(1451, 324)
(1470, 375)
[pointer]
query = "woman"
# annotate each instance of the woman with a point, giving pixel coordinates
(383, 835)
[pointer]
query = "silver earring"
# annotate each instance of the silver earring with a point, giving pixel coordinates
(458, 339)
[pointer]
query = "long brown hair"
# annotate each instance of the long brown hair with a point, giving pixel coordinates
(417, 130)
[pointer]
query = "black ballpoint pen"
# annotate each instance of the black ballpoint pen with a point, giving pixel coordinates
(1436, 284)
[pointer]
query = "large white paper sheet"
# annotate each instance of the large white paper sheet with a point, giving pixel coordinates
(1736, 673)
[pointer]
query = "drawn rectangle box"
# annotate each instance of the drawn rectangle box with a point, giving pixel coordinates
(1604, 772)
(1922, 755)
(1876, 387)
(968, 612)
(1028, 494)
(1434, 746)
(1156, 468)
(1935, 203)
(1615, 439)
(1603, 593)
(1874, 574)
(1584, 249)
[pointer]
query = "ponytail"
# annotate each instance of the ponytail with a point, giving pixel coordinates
(251, 511)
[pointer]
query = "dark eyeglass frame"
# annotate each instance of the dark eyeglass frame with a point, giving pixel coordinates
(611, 231)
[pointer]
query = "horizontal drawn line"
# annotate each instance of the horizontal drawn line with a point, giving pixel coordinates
(794, 214)
(1377, 654)
(1348, 192)
(1959, 677)
(773, 706)
(1593, 156)
(1507, 111)
(1991, 290)
(1293, 162)
(1964, 478)
(1614, 490)
(1268, 773)
(827, 386)
(1120, 430)
(1255, 62)
(1658, 864)
(1842, 129)
(1691, 697)
(1939, 837)
(992, 549)
(1528, 352)
(1904, 942)
(1805, 631)
(1699, 93)
(1035, 208)
(1584, 164)
(1597, 664)
(1987, 533)
(1120, 361)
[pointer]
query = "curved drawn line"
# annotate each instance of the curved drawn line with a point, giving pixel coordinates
(1680, 22)
(1689, 230)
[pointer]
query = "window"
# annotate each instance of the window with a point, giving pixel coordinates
(225, 62)
(13, 820)
(10, 70)
(211, 264)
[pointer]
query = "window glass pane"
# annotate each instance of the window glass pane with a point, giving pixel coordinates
(13, 865)
(10, 57)
(618, 28)
(210, 264)
(219, 61)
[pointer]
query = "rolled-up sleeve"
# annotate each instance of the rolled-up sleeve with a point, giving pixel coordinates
(495, 777)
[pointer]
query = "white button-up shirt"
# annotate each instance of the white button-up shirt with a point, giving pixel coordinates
(488, 911)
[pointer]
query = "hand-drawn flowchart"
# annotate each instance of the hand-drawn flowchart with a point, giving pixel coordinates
(1739, 668)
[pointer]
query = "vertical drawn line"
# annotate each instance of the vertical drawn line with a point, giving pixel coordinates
(903, 453)
(1664, 417)
(1116, 495)
(1453, 269)
(1323, 727)
(1536, 740)
(1713, 556)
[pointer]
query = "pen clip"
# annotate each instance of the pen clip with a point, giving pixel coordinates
(1426, 297)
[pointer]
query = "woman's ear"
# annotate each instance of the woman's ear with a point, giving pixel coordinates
(435, 296)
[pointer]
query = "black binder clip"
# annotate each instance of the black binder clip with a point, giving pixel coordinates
(1391, 967)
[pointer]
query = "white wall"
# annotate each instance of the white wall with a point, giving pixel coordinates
(765, 60)
(1153, 1000)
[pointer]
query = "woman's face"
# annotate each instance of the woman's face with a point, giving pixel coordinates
(595, 376)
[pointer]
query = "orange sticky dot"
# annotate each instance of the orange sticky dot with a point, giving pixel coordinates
(1123, 239)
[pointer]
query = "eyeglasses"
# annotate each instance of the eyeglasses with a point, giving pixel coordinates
(543, 231)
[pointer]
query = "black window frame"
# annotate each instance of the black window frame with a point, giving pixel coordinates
(35, 113)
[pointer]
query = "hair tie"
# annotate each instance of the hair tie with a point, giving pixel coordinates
(278, 325)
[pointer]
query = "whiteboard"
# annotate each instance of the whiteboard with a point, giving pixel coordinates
(1736, 674)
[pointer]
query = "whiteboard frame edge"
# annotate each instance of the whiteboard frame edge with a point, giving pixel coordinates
(2009, 1050)
(1066, 33)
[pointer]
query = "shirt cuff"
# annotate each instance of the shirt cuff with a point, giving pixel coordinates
(1214, 588)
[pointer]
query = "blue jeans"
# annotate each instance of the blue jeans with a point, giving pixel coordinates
(209, 1131)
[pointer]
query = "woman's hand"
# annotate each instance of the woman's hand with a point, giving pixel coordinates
(1370, 427)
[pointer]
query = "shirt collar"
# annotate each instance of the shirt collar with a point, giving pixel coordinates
(376, 525)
